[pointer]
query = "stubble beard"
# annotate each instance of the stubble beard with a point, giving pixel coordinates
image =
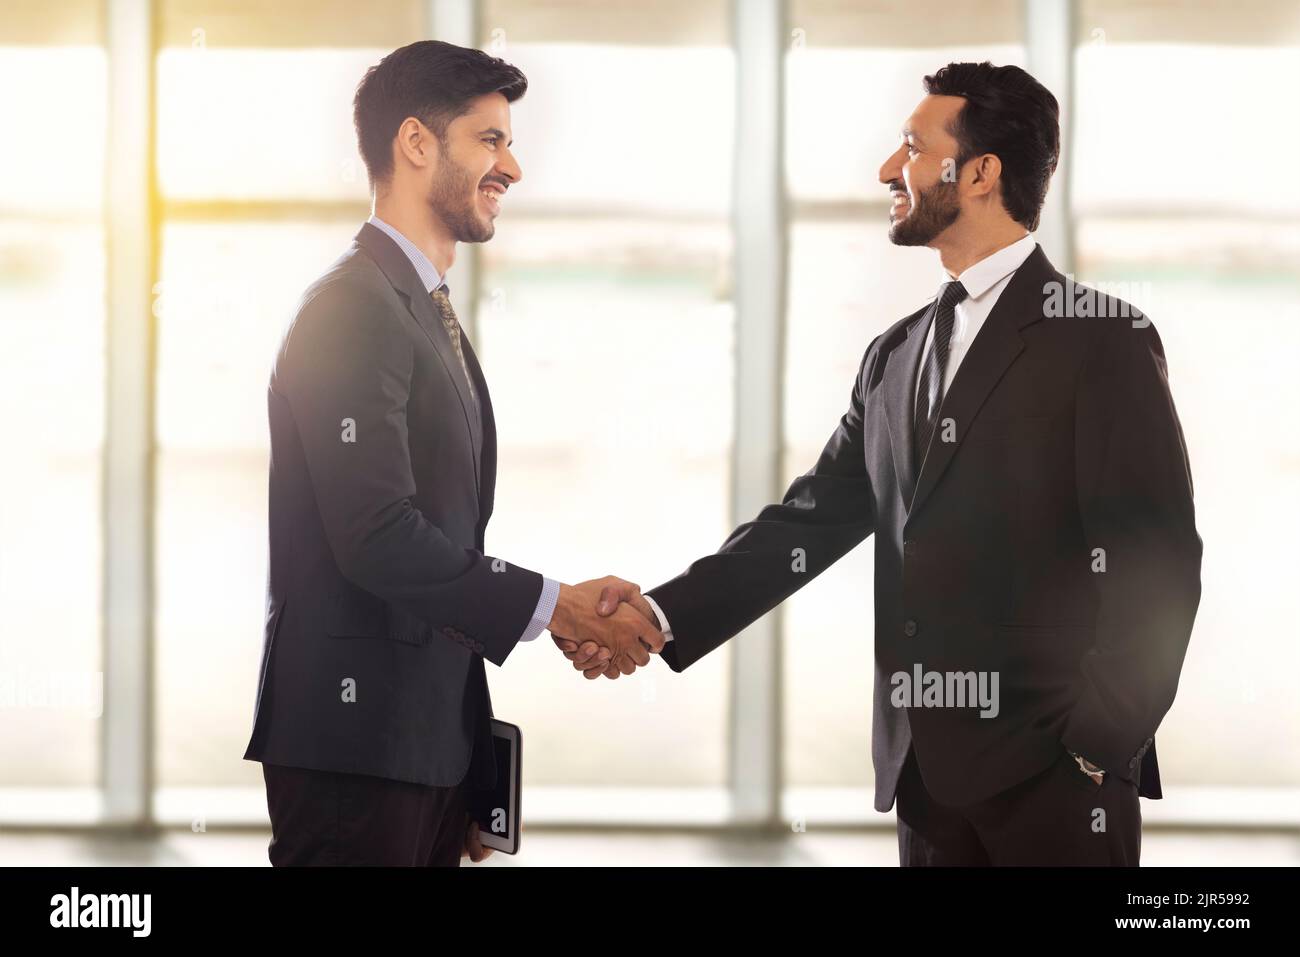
(936, 209)
(452, 200)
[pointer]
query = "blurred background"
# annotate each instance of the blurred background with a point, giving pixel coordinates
(671, 315)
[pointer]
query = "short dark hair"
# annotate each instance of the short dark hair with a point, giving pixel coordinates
(431, 81)
(1010, 114)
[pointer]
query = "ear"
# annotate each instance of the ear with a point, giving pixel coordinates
(415, 143)
(986, 172)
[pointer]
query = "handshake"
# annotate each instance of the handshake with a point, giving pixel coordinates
(605, 626)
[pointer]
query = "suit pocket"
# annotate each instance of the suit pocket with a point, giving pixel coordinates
(352, 612)
(1070, 768)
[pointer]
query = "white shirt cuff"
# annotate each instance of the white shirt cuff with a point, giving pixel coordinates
(659, 613)
(544, 611)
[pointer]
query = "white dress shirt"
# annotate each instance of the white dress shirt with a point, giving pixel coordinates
(984, 283)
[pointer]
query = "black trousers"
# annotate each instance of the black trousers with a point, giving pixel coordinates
(1057, 817)
(332, 819)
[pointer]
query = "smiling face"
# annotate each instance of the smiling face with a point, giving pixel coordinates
(474, 169)
(924, 188)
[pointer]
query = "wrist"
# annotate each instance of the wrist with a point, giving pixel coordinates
(1086, 766)
(562, 617)
(1084, 761)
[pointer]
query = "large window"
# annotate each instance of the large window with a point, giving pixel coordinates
(1184, 198)
(176, 172)
(606, 330)
(261, 188)
(52, 298)
(603, 322)
(853, 75)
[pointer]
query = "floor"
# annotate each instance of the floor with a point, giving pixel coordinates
(620, 848)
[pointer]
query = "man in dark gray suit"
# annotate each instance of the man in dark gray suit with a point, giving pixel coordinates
(372, 714)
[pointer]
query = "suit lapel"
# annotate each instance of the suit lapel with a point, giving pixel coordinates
(995, 347)
(488, 474)
(397, 267)
(899, 387)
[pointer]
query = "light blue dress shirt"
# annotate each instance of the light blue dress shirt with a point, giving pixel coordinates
(432, 280)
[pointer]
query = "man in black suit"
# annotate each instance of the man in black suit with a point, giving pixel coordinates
(1015, 449)
(372, 714)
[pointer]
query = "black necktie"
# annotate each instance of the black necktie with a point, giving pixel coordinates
(929, 393)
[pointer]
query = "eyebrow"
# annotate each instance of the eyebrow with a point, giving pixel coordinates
(496, 132)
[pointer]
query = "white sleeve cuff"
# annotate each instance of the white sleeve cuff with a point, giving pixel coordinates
(659, 613)
(544, 611)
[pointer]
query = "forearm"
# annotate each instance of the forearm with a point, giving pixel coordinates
(413, 565)
(1128, 680)
(1136, 506)
(762, 563)
(823, 515)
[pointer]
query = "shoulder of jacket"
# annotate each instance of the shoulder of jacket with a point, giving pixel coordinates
(897, 333)
(352, 279)
(352, 297)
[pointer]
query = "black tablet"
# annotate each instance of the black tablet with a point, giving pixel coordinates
(497, 809)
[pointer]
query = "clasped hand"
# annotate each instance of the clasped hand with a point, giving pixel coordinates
(605, 626)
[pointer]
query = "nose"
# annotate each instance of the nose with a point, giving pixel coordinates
(508, 167)
(893, 166)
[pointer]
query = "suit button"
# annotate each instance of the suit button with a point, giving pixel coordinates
(1150, 741)
(909, 628)
(908, 547)
(1132, 764)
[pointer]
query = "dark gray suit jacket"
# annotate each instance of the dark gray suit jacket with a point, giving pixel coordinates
(1066, 441)
(381, 605)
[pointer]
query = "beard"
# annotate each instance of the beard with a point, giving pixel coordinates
(935, 210)
(452, 199)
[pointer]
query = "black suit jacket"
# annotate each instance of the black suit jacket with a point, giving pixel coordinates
(381, 605)
(1066, 440)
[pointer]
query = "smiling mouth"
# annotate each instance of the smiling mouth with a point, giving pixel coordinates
(900, 205)
(492, 197)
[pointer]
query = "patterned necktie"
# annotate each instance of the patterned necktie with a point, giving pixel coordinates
(929, 394)
(452, 325)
